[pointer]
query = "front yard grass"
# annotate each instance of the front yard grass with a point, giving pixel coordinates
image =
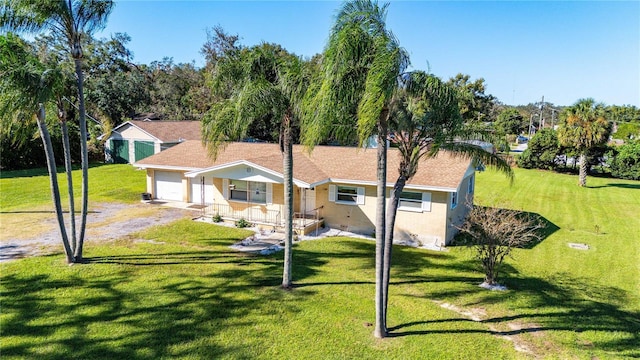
(26, 206)
(181, 292)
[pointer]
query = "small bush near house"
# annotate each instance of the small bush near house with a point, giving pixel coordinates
(242, 223)
(217, 218)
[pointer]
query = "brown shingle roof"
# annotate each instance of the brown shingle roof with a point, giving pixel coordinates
(325, 162)
(171, 131)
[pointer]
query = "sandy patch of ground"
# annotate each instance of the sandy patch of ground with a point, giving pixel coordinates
(105, 221)
(513, 331)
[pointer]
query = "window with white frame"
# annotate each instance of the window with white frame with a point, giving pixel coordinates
(471, 184)
(414, 201)
(347, 194)
(454, 199)
(350, 195)
(410, 201)
(248, 191)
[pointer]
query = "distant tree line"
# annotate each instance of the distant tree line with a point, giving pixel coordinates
(117, 89)
(582, 140)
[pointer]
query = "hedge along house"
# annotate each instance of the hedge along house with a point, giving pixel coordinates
(135, 140)
(335, 186)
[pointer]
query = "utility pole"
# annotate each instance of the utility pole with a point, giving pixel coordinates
(530, 124)
(541, 124)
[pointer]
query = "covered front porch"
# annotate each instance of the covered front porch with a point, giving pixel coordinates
(245, 191)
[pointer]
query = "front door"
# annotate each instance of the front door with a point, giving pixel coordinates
(308, 200)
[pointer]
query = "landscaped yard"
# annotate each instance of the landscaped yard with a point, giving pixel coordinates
(177, 290)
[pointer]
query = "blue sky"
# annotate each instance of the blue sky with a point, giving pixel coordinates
(564, 50)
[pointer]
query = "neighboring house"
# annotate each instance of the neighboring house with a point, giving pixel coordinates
(137, 139)
(334, 185)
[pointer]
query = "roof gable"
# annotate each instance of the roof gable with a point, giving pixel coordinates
(166, 131)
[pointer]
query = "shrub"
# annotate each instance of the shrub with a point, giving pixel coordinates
(242, 223)
(217, 218)
(542, 151)
(494, 232)
(624, 161)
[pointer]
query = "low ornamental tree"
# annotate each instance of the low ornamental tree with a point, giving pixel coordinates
(494, 232)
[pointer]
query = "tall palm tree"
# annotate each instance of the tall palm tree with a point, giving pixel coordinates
(26, 85)
(360, 68)
(584, 126)
(425, 119)
(264, 80)
(72, 20)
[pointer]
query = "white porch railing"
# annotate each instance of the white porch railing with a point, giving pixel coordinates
(251, 214)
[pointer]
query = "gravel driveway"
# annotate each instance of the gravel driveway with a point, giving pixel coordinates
(105, 221)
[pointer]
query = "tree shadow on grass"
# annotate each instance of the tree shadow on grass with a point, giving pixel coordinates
(561, 304)
(112, 314)
(547, 229)
(618, 185)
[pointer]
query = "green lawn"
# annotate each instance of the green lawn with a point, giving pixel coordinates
(25, 190)
(187, 295)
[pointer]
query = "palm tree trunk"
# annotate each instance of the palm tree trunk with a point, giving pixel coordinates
(380, 330)
(392, 211)
(583, 169)
(68, 169)
(53, 178)
(287, 163)
(84, 160)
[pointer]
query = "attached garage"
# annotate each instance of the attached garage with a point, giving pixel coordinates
(168, 185)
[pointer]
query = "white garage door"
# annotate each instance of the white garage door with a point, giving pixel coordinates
(196, 190)
(168, 185)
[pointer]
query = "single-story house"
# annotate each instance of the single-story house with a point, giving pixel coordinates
(135, 140)
(333, 185)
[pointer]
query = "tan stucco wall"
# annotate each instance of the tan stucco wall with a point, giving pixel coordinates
(428, 227)
(150, 189)
(455, 216)
(353, 218)
(435, 227)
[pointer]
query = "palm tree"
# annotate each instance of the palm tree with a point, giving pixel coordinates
(26, 85)
(360, 68)
(72, 20)
(584, 126)
(424, 119)
(262, 81)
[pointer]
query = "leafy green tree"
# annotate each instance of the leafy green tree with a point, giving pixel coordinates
(627, 131)
(264, 80)
(584, 126)
(176, 90)
(624, 113)
(115, 87)
(509, 122)
(542, 151)
(624, 161)
(26, 85)
(351, 100)
(474, 104)
(72, 20)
